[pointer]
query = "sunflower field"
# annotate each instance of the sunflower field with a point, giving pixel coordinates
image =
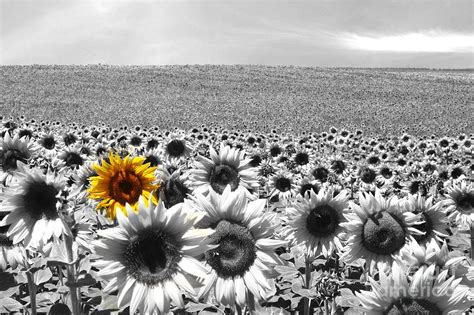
(97, 220)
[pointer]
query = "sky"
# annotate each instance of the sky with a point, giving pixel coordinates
(323, 33)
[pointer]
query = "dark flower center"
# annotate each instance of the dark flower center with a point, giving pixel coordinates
(283, 184)
(426, 227)
(236, 252)
(175, 148)
(321, 174)
(275, 151)
(429, 168)
(69, 139)
(444, 143)
(465, 202)
(222, 175)
(338, 166)
(125, 186)
(256, 160)
(136, 141)
(456, 172)
(307, 188)
(302, 158)
(40, 200)
(153, 160)
(403, 150)
(10, 158)
(100, 151)
(73, 159)
(152, 257)
(373, 160)
(48, 143)
(367, 175)
(383, 233)
(322, 221)
(410, 306)
(5, 241)
(266, 170)
(401, 162)
(25, 132)
(152, 143)
(175, 191)
(386, 172)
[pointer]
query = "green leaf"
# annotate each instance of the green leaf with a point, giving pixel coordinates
(109, 302)
(42, 276)
(83, 280)
(9, 305)
(287, 271)
(347, 298)
(198, 307)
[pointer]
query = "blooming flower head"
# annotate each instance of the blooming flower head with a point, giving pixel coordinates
(316, 221)
(12, 151)
(149, 257)
(10, 254)
(244, 259)
(460, 203)
(33, 207)
(282, 185)
(424, 293)
(434, 226)
(121, 181)
(377, 230)
(177, 147)
(415, 256)
(229, 167)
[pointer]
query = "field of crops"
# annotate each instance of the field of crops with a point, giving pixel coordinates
(141, 219)
(287, 99)
(235, 190)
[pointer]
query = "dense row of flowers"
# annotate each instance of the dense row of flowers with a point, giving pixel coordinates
(95, 219)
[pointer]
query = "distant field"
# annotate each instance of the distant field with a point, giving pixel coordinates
(288, 99)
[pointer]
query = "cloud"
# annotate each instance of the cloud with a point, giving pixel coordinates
(428, 41)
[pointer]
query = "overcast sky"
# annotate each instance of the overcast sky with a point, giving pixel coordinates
(355, 33)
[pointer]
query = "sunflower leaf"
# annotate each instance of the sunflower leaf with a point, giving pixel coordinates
(42, 276)
(347, 298)
(9, 305)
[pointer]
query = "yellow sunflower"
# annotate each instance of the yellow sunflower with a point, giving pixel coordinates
(119, 182)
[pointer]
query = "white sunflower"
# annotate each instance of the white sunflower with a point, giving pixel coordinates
(282, 185)
(460, 203)
(413, 257)
(149, 257)
(33, 207)
(242, 264)
(434, 226)
(14, 150)
(10, 254)
(377, 229)
(424, 293)
(315, 222)
(229, 167)
(176, 147)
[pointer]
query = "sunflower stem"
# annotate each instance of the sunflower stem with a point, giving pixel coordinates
(71, 276)
(31, 291)
(307, 302)
(61, 280)
(251, 303)
(336, 269)
(472, 240)
(238, 310)
(326, 307)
